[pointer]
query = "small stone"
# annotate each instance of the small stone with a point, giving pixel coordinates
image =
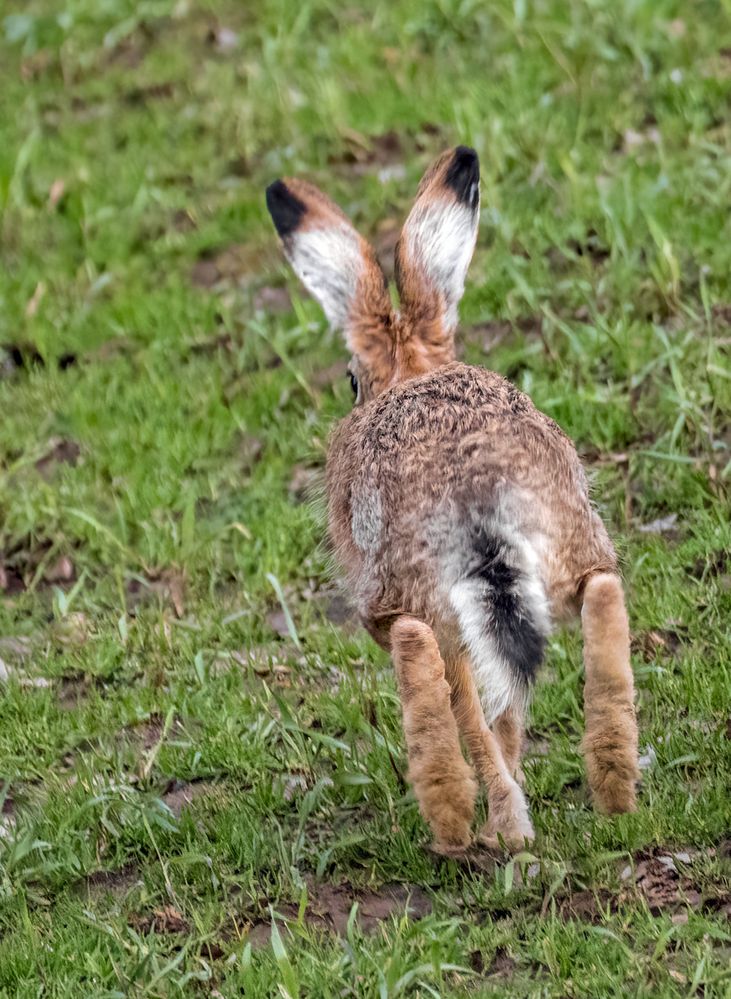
(277, 621)
(292, 784)
(19, 647)
(72, 630)
(668, 862)
(676, 28)
(394, 171)
(660, 526)
(60, 571)
(225, 39)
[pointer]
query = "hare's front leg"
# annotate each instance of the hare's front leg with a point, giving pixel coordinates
(508, 817)
(443, 782)
(610, 741)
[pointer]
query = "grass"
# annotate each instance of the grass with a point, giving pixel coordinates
(181, 760)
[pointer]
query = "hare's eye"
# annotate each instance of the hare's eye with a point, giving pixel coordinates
(353, 383)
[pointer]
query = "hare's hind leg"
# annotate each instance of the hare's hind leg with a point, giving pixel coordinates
(443, 781)
(610, 741)
(509, 727)
(507, 809)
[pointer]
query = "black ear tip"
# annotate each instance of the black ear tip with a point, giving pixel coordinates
(463, 175)
(466, 157)
(285, 208)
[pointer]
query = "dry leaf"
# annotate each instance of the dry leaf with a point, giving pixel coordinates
(165, 920)
(56, 192)
(34, 301)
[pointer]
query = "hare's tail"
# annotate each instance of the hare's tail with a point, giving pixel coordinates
(504, 617)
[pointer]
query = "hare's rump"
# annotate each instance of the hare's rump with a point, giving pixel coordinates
(454, 500)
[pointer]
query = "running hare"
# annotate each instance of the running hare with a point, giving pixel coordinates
(460, 515)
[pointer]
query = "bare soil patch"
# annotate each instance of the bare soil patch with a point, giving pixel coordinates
(663, 878)
(713, 564)
(166, 585)
(329, 907)
(180, 794)
(365, 154)
(237, 264)
(61, 451)
(118, 882)
(34, 561)
(304, 482)
(659, 642)
(168, 919)
(336, 607)
(272, 299)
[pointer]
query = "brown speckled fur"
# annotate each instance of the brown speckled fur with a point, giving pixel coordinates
(443, 486)
(458, 435)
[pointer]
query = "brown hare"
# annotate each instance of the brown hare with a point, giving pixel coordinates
(460, 516)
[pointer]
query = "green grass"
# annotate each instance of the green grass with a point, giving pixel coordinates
(135, 143)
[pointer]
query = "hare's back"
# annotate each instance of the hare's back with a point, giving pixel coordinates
(443, 471)
(451, 434)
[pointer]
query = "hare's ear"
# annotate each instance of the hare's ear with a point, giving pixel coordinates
(336, 265)
(437, 243)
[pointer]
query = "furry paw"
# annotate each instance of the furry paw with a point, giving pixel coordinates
(508, 820)
(611, 762)
(613, 784)
(454, 850)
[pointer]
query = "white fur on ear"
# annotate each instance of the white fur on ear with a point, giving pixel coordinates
(440, 239)
(329, 262)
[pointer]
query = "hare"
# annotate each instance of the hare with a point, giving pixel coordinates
(460, 515)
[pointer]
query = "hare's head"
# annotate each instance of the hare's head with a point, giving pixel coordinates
(340, 269)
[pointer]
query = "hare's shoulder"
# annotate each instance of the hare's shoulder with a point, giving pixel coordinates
(452, 388)
(444, 405)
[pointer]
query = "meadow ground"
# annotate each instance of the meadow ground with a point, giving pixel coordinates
(202, 762)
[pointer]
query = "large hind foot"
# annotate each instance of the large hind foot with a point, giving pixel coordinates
(443, 782)
(508, 822)
(610, 742)
(508, 818)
